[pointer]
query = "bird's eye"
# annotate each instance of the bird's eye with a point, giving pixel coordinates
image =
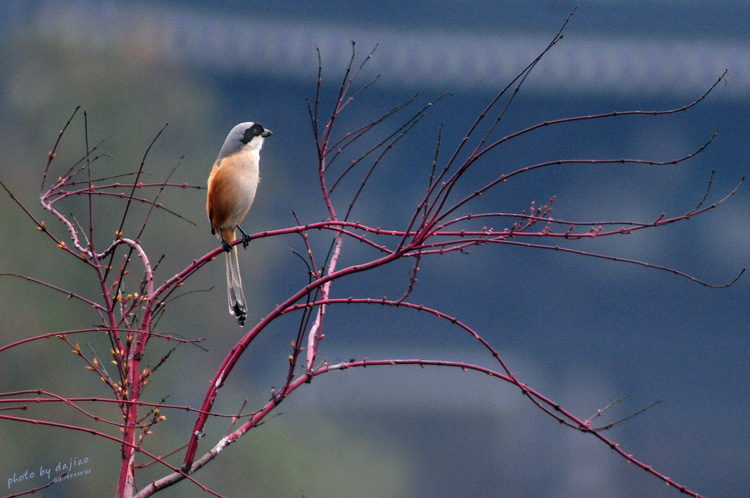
(250, 133)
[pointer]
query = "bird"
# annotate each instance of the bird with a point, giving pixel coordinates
(231, 190)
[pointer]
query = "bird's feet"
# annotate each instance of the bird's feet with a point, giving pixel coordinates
(226, 245)
(245, 237)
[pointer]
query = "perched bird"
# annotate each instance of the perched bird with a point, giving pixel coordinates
(231, 191)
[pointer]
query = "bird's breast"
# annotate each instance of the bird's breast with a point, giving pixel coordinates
(232, 186)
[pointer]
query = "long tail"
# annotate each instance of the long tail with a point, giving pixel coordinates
(237, 306)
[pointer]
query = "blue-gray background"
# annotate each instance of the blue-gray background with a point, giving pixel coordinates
(582, 331)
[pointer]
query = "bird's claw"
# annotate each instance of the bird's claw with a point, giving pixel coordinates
(245, 237)
(226, 245)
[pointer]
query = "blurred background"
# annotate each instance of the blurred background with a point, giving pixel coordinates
(582, 331)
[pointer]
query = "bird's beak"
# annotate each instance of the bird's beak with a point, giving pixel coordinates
(266, 133)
